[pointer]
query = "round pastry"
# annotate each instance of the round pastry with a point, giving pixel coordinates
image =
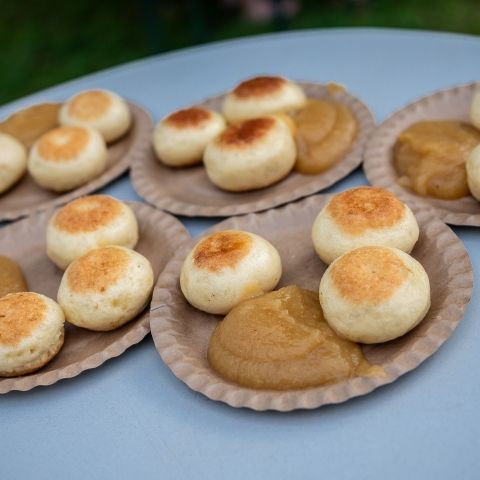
(31, 332)
(104, 111)
(13, 161)
(180, 139)
(251, 154)
(360, 217)
(262, 96)
(473, 172)
(67, 157)
(105, 288)
(227, 267)
(87, 223)
(374, 294)
(475, 110)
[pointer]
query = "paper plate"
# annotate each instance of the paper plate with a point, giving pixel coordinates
(182, 333)
(24, 241)
(188, 191)
(450, 104)
(26, 197)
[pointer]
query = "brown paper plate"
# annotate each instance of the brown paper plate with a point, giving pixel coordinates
(450, 104)
(24, 241)
(182, 333)
(189, 192)
(26, 197)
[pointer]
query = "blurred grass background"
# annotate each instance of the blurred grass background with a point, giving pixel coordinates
(45, 43)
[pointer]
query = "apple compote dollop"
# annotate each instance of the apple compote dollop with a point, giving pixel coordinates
(11, 277)
(325, 132)
(430, 158)
(281, 341)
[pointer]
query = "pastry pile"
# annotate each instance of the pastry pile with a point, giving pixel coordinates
(372, 291)
(267, 128)
(67, 156)
(105, 284)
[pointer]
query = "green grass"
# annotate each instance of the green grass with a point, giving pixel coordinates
(42, 45)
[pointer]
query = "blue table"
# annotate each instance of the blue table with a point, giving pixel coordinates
(131, 418)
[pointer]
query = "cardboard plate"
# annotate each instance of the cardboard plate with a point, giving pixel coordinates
(182, 333)
(26, 197)
(188, 191)
(24, 242)
(450, 104)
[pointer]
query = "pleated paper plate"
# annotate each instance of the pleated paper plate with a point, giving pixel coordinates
(449, 104)
(24, 241)
(188, 191)
(27, 197)
(182, 333)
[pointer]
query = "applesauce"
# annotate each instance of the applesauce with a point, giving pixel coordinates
(11, 277)
(281, 341)
(430, 158)
(30, 124)
(325, 132)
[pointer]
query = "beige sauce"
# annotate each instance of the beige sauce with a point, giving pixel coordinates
(430, 158)
(281, 341)
(325, 133)
(11, 277)
(30, 124)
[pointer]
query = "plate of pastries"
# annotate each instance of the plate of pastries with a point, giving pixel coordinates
(51, 153)
(428, 153)
(75, 286)
(312, 303)
(315, 302)
(266, 142)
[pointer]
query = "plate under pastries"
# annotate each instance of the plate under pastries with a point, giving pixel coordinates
(189, 192)
(449, 104)
(27, 197)
(24, 242)
(182, 333)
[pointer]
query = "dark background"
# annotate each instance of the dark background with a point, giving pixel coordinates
(46, 42)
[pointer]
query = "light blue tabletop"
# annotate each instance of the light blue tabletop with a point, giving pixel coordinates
(131, 418)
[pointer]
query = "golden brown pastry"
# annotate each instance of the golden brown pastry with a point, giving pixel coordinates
(13, 161)
(227, 267)
(249, 155)
(473, 172)
(180, 138)
(259, 96)
(31, 332)
(67, 157)
(104, 111)
(87, 223)
(105, 288)
(475, 110)
(374, 294)
(360, 217)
